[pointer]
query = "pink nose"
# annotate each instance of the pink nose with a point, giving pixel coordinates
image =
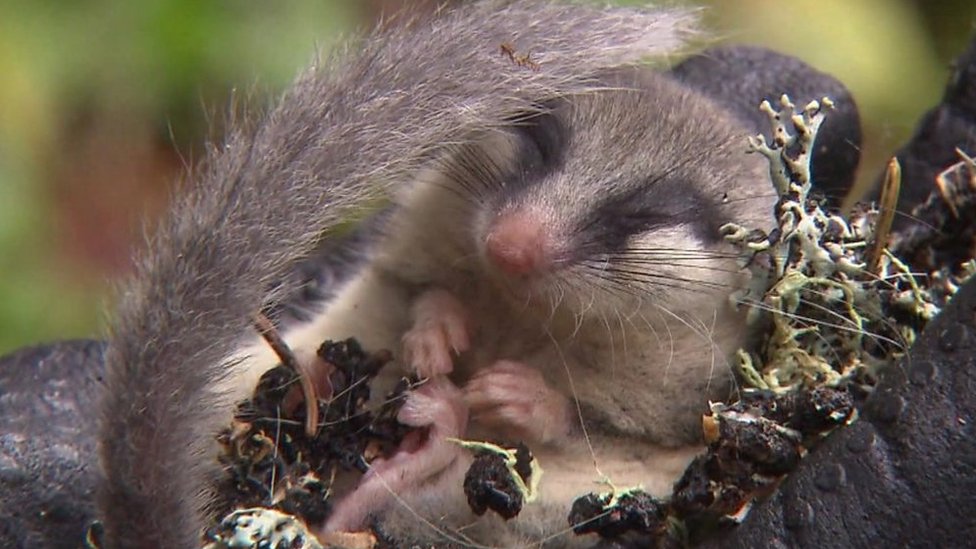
(517, 244)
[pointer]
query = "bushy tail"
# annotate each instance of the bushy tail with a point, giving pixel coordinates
(350, 127)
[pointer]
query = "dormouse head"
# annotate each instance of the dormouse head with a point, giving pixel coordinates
(612, 199)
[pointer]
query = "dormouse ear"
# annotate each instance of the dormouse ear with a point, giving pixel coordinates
(741, 77)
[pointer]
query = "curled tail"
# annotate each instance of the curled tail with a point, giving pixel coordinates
(347, 131)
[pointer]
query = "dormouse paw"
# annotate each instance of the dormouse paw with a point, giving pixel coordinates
(440, 331)
(515, 400)
(437, 404)
(421, 460)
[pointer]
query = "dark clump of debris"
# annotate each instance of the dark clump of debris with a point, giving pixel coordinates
(272, 461)
(634, 511)
(490, 483)
(752, 445)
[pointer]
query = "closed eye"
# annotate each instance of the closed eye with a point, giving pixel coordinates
(543, 140)
(646, 207)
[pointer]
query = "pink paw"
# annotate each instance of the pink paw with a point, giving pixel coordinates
(440, 330)
(437, 404)
(515, 400)
(421, 456)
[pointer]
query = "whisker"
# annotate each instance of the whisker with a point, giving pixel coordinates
(461, 539)
(814, 322)
(678, 263)
(657, 277)
(670, 252)
(613, 351)
(567, 530)
(576, 400)
(873, 318)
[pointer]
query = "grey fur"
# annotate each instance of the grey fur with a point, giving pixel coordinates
(633, 325)
(349, 129)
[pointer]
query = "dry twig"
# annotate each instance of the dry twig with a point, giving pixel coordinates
(288, 359)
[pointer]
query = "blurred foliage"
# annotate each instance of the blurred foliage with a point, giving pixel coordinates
(102, 103)
(99, 102)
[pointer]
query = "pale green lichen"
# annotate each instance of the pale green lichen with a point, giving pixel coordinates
(830, 318)
(261, 528)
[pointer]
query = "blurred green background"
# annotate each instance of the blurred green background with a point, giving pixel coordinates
(103, 102)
